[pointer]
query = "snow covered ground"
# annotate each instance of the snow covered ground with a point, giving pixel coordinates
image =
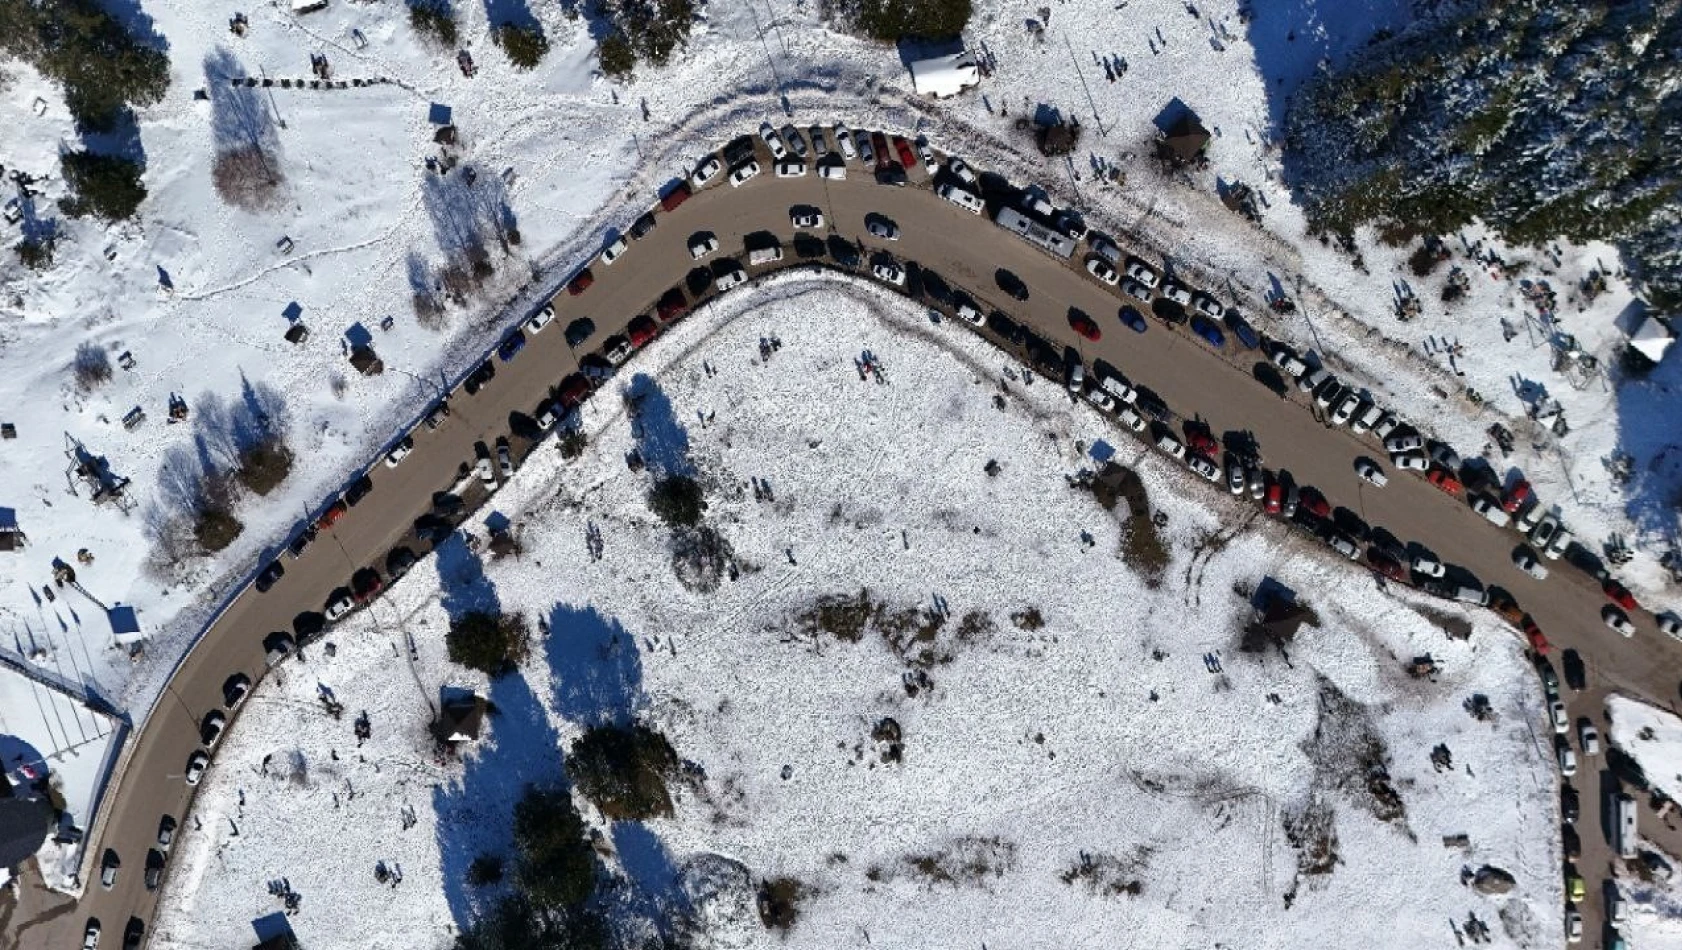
(585, 156)
(1072, 712)
(1653, 737)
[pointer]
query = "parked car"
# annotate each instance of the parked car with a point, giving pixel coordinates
(1558, 546)
(1099, 399)
(1236, 478)
(1570, 804)
(614, 251)
(1573, 926)
(1136, 290)
(1208, 306)
(1085, 326)
(1410, 442)
(1203, 465)
(1557, 714)
(196, 764)
(962, 197)
(889, 273)
(810, 218)
(1171, 446)
(478, 379)
(579, 331)
(398, 561)
(1410, 462)
(358, 490)
(1371, 473)
(796, 144)
(166, 832)
(707, 170)
(907, 158)
(962, 172)
(269, 576)
(844, 141)
(1428, 566)
(730, 278)
(1617, 620)
(1526, 560)
(400, 451)
(1491, 511)
(1444, 481)
(339, 604)
(90, 934)
(772, 140)
(1543, 533)
(1131, 419)
(743, 173)
(504, 457)
(1568, 768)
(791, 169)
(882, 228)
(235, 689)
(1132, 319)
(109, 865)
(1246, 334)
(832, 170)
(1207, 330)
(616, 349)
(1101, 269)
(580, 282)
(1140, 271)
(1514, 497)
(967, 312)
(1588, 737)
(819, 145)
(1670, 625)
(1618, 593)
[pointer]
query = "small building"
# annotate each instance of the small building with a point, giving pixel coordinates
(1652, 338)
(366, 361)
(1184, 141)
(11, 537)
(125, 624)
(944, 76)
(461, 718)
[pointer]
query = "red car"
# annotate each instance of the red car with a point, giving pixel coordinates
(1315, 503)
(672, 305)
(1085, 326)
(907, 158)
(1514, 498)
(1383, 564)
(642, 331)
(573, 391)
(1618, 594)
(1201, 441)
(1275, 500)
(331, 516)
(879, 145)
(580, 283)
(1538, 641)
(1444, 481)
(365, 584)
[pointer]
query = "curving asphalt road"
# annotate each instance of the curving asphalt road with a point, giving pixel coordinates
(965, 250)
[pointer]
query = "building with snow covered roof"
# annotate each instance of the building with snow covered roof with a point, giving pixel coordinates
(1652, 338)
(944, 76)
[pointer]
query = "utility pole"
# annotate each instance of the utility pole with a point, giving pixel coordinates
(272, 103)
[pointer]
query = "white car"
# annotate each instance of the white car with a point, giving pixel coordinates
(400, 452)
(485, 471)
(961, 171)
(1414, 462)
(1131, 419)
(1615, 618)
(1573, 926)
(1177, 293)
(1209, 307)
(806, 219)
(890, 273)
(743, 173)
(1136, 290)
(1561, 720)
(1567, 761)
(342, 605)
(613, 251)
(1526, 560)
(707, 170)
(791, 169)
(731, 279)
(505, 458)
(1142, 272)
(703, 245)
(1491, 511)
(962, 197)
(844, 141)
(196, 764)
(90, 936)
(1386, 424)
(1101, 399)
(1205, 467)
(1588, 737)
(1369, 471)
(1101, 269)
(1557, 547)
(1236, 479)
(1171, 446)
(773, 141)
(882, 228)
(1543, 534)
(1346, 408)
(1404, 443)
(966, 311)
(833, 172)
(1670, 625)
(540, 319)
(1428, 566)
(1120, 389)
(211, 729)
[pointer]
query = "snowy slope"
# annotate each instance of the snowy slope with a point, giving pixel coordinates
(1101, 732)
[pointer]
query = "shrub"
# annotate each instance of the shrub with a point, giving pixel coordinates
(779, 903)
(616, 56)
(893, 20)
(572, 444)
(677, 500)
(92, 366)
(264, 466)
(216, 527)
(525, 45)
(434, 20)
(105, 186)
(485, 870)
(247, 177)
(623, 771)
(492, 643)
(557, 868)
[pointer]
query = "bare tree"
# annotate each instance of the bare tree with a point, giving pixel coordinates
(247, 171)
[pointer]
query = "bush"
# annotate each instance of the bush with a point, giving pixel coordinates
(89, 53)
(525, 45)
(893, 20)
(616, 56)
(492, 643)
(557, 868)
(216, 527)
(677, 500)
(264, 466)
(105, 186)
(623, 771)
(434, 20)
(247, 177)
(92, 366)
(779, 903)
(485, 870)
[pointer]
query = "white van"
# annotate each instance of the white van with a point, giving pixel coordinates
(765, 255)
(1171, 446)
(1312, 379)
(1365, 418)
(963, 198)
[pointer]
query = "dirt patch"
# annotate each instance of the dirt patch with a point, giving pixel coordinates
(779, 903)
(1312, 832)
(1109, 875)
(923, 638)
(966, 861)
(1458, 628)
(1350, 757)
(1144, 551)
(1030, 619)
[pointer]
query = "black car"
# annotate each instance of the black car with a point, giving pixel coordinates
(1570, 804)
(433, 529)
(1572, 843)
(447, 503)
(308, 625)
(1241, 329)
(398, 562)
(738, 150)
(1003, 326)
(641, 226)
(132, 933)
(1010, 284)
(580, 330)
(479, 377)
(1576, 674)
(511, 345)
(269, 576)
(301, 539)
(358, 490)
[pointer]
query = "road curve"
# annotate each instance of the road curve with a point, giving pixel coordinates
(965, 250)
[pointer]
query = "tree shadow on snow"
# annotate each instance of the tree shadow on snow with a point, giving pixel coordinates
(1292, 37)
(654, 895)
(463, 586)
(1648, 405)
(596, 666)
(662, 441)
(240, 116)
(468, 207)
(510, 13)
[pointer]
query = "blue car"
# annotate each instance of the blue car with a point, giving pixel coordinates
(512, 344)
(1210, 333)
(1242, 330)
(1132, 319)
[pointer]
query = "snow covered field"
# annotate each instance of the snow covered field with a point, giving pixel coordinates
(1071, 711)
(1653, 737)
